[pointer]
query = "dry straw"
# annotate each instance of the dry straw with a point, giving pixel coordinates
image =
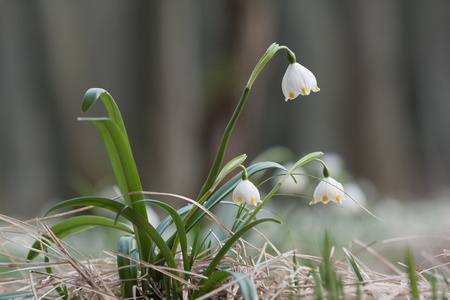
(274, 274)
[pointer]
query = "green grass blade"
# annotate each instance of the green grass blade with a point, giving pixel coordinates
(130, 214)
(127, 272)
(77, 224)
(351, 261)
(412, 274)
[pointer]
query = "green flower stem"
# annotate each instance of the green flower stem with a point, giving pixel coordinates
(244, 173)
(226, 136)
(326, 172)
(223, 145)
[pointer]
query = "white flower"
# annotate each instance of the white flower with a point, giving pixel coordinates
(328, 190)
(246, 192)
(298, 80)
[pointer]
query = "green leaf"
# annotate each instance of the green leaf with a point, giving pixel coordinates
(125, 169)
(351, 261)
(91, 97)
(11, 295)
(128, 213)
(178, 223)
(247, 288)
(77, 224)
(229, 167)
(114, 135)
(122, 160)
(127, 270)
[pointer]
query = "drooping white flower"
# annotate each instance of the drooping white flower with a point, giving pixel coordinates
(246, 191)
(328, 190)
(298, 80)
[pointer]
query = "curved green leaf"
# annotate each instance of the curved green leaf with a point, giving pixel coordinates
(77, 224)
(125, 169)
(115, 138)
(128, 213)
(227, 169)
(178, 223)
(91, 97)
(248, 289)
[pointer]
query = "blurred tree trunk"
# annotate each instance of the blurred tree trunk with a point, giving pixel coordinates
(387, 154)
(431, 27)
(29, 159)
(175, 160)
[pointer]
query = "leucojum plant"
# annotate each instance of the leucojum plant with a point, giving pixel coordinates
(173, 254)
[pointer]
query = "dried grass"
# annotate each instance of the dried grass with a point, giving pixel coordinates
(274, 274)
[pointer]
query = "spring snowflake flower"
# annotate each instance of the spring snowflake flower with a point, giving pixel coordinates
(298, 80)
(328, 190)
(246, 192)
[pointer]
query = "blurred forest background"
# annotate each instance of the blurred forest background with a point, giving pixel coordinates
(177, 69)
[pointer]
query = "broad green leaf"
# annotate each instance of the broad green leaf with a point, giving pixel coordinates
(131, 215)
(77, 224)
(127, 270)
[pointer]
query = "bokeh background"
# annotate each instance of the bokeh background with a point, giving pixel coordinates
(177, 69)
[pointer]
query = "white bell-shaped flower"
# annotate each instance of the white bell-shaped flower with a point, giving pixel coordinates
(246, 191)
(298, 80)
(328, 190)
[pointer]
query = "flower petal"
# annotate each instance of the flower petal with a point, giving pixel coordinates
(328, 190)
(298, 80)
